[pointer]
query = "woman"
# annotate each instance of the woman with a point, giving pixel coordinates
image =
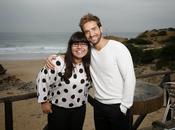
(63, 91)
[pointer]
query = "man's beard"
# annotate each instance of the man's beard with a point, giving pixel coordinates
(98, 40)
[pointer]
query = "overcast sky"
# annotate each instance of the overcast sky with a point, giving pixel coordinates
(64, 15)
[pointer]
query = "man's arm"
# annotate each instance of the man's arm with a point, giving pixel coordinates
(127, 70)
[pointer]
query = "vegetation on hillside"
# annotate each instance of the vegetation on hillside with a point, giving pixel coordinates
(156, 46)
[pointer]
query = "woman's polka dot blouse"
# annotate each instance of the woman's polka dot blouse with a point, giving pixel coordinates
(64, 93)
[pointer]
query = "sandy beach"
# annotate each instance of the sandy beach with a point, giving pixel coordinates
(27, 113)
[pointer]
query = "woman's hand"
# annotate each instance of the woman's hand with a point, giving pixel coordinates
(46, 107)
(49, 64)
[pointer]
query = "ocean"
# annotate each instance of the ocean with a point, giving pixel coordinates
(27, 45)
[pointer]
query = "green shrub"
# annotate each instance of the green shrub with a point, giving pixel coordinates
(168, 52)
(167, 57)
(171, 29)
(139, 41)
(169, 64)
(149, 55)
(170, 40)
(142, 35)
(136, 53)
(162, 33)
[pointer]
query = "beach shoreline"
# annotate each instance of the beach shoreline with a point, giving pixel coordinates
(23, 56)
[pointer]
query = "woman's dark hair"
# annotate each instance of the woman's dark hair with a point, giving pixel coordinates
(77, 37)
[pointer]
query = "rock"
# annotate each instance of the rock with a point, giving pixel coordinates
(8, 81)
(2, 70)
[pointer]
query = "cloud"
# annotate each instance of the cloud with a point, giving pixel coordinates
(64, 15)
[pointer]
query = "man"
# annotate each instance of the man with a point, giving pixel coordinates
(113, 77)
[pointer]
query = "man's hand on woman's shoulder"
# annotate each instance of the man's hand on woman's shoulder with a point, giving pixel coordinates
(49, 64)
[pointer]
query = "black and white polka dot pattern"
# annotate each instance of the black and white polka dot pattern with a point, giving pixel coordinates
(65, 93)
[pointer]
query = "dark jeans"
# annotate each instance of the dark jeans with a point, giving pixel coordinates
(66, 119)
(110, 117)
